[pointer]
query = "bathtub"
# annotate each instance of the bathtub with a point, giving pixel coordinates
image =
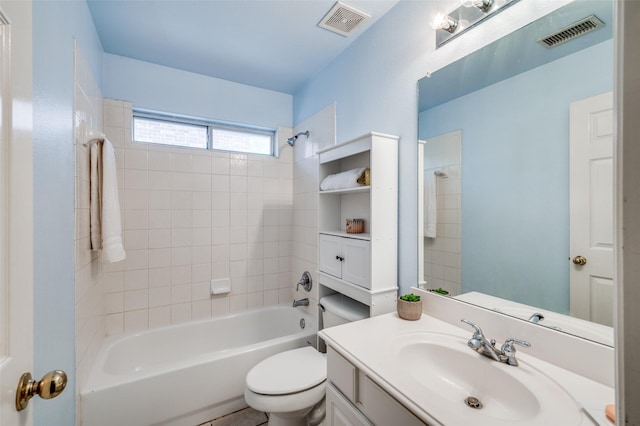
(188, 373)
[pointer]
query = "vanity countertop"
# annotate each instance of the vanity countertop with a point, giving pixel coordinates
(372, 346)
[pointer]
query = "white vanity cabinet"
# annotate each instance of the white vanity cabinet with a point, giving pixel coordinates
(354, 399)
(361, 266)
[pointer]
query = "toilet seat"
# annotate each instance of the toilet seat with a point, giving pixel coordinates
(288, 372)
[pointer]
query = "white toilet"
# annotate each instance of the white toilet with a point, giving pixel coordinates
(289, 385)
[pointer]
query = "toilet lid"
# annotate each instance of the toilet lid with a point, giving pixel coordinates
(288, 372)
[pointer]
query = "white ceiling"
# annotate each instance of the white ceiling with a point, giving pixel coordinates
(272, 44)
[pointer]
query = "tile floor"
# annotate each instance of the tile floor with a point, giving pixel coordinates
(246, 417)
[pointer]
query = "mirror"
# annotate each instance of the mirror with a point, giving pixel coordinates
(498, 126)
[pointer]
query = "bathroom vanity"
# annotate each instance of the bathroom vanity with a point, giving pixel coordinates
(385, 370)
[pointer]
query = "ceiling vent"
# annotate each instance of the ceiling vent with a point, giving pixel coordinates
(578, 29)
(342, 19)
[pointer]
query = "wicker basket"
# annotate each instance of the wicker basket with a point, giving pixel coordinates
(409, 310)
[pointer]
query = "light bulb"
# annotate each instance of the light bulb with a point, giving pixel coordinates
(441, 21)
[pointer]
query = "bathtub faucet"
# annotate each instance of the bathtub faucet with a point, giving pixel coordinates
(301, 302)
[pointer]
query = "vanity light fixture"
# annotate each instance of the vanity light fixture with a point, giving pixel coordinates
(471, 13)
(483, 5)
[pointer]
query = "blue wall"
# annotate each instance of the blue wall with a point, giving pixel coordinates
(515, 203)
(164, 89)
(55, 25)
(373, 83)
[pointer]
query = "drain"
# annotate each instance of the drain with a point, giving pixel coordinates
(473, 402)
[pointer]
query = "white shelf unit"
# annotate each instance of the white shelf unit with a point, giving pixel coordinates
(368, 272)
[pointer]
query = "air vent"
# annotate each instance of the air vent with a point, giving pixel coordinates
(578, 29)
(342, 19)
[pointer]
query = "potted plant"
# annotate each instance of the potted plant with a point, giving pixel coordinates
(409, 307)
(439, 290)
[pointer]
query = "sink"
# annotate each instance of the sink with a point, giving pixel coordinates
(460, 386)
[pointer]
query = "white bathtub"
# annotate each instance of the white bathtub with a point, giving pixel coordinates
(188, 373)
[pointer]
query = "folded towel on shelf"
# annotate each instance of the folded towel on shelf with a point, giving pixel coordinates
(106, 227)
(342, 180)
(430, 208)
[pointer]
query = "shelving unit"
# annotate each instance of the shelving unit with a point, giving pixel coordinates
(361, 266)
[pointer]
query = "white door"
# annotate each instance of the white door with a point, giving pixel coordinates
(330, 255)
(356, 265)
(591, 205)
(16, 207)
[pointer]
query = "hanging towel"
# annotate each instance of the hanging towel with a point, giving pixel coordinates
(430, 209)
(106, 228)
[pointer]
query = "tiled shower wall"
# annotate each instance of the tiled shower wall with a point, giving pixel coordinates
(89, 273)
(442, 255)
(322, 133)
(193, 215)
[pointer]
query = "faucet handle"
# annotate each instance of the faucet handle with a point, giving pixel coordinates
(509, 351)
(508, 343)
(478, 331)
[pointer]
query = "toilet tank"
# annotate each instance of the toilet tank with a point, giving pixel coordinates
(340, 309)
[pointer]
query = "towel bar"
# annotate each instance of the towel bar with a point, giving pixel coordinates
(93, 136)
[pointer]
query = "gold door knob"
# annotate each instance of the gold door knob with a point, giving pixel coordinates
(51, 385)
(579, 260)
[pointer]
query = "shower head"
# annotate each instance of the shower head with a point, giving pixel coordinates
(292, 140)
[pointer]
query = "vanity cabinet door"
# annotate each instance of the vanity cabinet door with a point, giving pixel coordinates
(380, 407)
(339, 412)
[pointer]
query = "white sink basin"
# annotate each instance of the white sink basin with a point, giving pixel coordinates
(445, 372)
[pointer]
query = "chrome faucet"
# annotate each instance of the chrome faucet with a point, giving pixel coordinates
(536, 317)
(480, 344)
(301, 302)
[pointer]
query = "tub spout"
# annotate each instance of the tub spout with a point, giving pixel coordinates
(301, 302)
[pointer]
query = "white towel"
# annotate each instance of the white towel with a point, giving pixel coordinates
(430, 208)
(342, 180)
(106, 228)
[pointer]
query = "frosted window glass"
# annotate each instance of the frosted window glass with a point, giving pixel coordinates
(169, 133)
(241, 141)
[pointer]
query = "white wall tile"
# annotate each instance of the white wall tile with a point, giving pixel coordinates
(180, 313)
(190, 216)
(159, 316)
(159, 296)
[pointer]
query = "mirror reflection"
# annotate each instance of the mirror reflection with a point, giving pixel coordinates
(518, 175)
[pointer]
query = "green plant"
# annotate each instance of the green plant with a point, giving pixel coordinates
(439, 290)
(410, 298)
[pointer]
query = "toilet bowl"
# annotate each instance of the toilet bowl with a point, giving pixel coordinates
(287, 385)
(290, 385)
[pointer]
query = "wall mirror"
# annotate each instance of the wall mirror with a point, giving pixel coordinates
(519, 139)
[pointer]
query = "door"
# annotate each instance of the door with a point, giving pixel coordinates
(330, 255)
(591, 209)
(16, 207)
(356, 264)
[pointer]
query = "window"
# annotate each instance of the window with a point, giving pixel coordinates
(164, 132)
(169, 130)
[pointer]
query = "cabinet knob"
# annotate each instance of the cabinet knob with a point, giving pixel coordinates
(341, 259)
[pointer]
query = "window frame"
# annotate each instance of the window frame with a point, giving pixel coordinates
(209, 125)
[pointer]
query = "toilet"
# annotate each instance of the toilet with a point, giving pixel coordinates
(290, 386)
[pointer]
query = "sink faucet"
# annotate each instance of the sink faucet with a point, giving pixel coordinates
(480, 344)
(536, 317)
(301, 302)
